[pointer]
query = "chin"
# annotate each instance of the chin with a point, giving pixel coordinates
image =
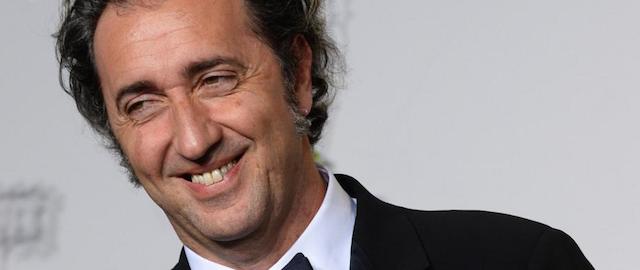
(231, 224)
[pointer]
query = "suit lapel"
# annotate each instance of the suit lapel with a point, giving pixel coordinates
(383, 237)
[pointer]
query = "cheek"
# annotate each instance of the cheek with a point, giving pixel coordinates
(246, 113)
(145, 146)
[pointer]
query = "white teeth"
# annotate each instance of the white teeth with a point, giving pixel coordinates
(215, 176)
(227, 167)
(197, 179)
(208, 179)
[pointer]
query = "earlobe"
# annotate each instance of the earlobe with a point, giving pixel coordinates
(303, 93)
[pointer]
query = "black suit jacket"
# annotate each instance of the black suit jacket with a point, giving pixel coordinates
(391, 237)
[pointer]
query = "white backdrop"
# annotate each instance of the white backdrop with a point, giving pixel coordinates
(523, 107)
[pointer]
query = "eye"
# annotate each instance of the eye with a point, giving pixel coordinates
(219, 83)
(142, 108)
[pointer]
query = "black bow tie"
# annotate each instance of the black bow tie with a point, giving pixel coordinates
(299, 262)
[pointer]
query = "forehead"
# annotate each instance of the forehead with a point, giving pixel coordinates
(134, 33)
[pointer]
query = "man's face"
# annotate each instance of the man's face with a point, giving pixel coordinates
(191, 90)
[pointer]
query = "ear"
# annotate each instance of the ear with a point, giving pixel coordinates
(304, 96)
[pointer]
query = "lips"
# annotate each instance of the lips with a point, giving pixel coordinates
(214, 169)
(214, 176)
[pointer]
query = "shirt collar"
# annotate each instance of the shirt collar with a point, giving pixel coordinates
(326, 242)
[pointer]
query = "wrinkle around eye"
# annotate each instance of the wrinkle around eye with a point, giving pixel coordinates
(143, 110)
(218, 84)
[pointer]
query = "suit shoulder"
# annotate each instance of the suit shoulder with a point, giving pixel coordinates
(471, 221)
(477, 234)
(495, 239)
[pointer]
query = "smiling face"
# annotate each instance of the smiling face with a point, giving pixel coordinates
(197, 102)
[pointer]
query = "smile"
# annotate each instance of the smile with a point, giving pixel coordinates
(212, 177)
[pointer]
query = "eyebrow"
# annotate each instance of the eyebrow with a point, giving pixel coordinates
(190, 71)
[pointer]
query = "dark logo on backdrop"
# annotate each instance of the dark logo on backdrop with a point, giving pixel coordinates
(28, 222)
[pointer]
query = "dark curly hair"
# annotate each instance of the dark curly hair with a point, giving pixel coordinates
(277, 23)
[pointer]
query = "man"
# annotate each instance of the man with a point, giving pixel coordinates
(214, 106)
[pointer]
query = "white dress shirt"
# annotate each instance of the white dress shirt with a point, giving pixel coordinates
(326, 242)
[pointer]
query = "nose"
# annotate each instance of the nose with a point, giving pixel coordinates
(194, 133)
